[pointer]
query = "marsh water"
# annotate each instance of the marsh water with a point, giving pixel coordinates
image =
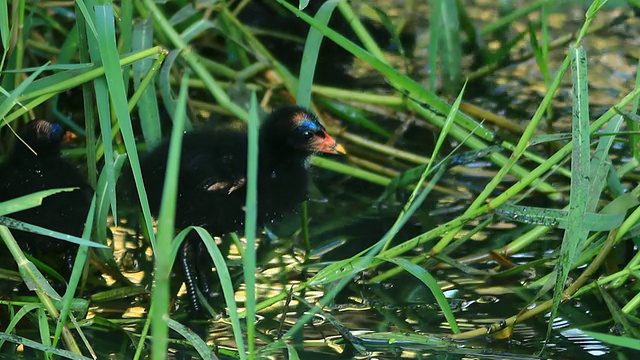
(345, 219)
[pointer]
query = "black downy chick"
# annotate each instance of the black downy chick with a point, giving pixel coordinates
(212, 177)
(27, 171)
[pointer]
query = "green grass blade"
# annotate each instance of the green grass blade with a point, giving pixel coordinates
(37, 282)
(192, 338)
(386, 21)
(50, 67)
(148, 104)
(310, 54)
(517, 13)
(98, 46)
(102, 215)
(4, 29)
(620, 319)
(617, 340)
(634, 125)
(559, 217)
(10, 101)
(183, 14)
(227, 288)
(544, 58)
(576, 233)
(80, 261)
(43, 327)
(166, 228)
(292, 353)
(28, 201)
(600, 163)
(426, 278)
(355, 115)
(19, 225)
(250, 225)
(59, 82)
(361, 32)
(87, 16)
(435, 35)
(88, 100)
(116, 89)
(164, 83)
(196, 29)
(124, 38)
(16, 318)
(19, 340)
(451, 54)
(125, 32)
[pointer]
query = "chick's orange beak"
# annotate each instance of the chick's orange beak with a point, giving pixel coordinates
(330, 146)
(68, 137)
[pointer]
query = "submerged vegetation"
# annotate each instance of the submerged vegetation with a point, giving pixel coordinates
(565, 191)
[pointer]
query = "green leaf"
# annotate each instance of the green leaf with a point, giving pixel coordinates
(28, 201)
(195, 29)
(251, 221)
(148, 103)
(310, 54)
(166, 227)
(616, 340)
(192, 338)
(560, 217)
(576, 233)
(19, 340)
(451, 54)
(10, 101)
(19, 225)
(4, 29)
(426, 278)
(227, 287)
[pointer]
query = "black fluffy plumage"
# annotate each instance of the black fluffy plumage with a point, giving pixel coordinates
(213, 167)
(27, 171)
(212, 177)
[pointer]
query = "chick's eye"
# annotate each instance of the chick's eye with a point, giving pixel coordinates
(307, 135)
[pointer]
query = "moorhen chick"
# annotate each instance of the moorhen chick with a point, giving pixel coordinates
(212, 177)
(26, 171)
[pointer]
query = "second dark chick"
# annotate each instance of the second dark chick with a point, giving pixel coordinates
(41, 167)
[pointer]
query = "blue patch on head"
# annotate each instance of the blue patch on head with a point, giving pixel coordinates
(56, 132)
(310, 125)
